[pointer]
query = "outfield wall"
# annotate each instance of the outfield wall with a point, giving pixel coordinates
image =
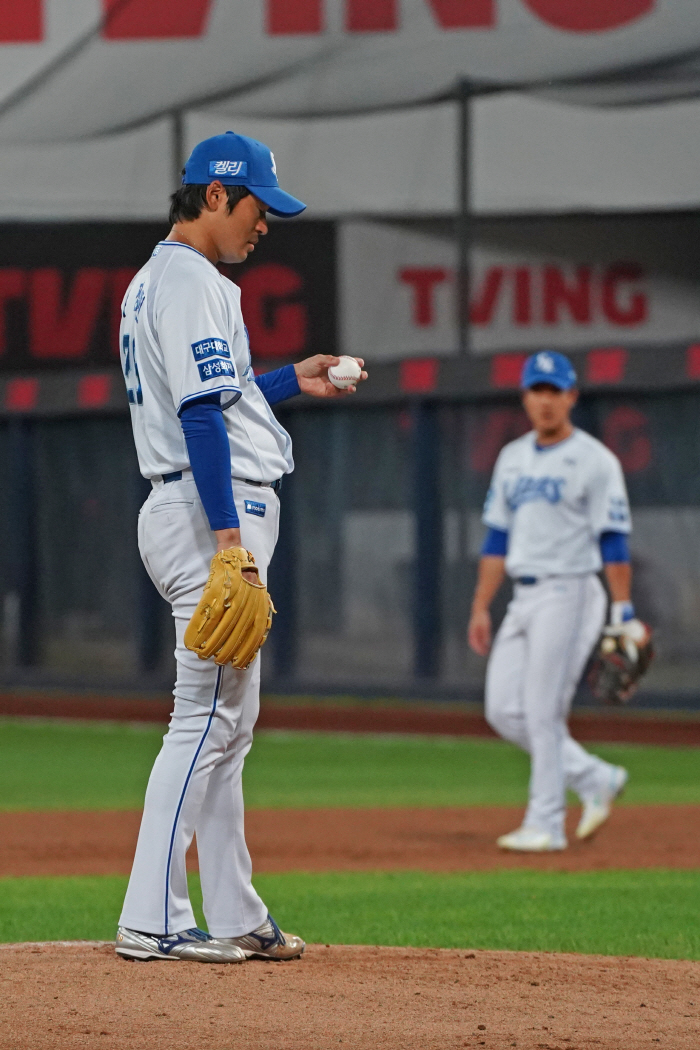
(380, 526)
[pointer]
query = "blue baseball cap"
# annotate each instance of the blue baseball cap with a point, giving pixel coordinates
(548, 367)
(236, 160)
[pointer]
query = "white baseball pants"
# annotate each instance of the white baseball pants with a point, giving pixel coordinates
(537, 659)
(195, 785)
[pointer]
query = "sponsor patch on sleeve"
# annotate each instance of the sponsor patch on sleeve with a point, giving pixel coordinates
(251, 507)
(207, 348)
(214, 369)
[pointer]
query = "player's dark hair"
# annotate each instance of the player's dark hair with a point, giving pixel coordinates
(187, 202)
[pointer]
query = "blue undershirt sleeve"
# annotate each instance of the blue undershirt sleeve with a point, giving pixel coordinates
(279, 385)
(614, 547)
(209, 452)
(495, 543)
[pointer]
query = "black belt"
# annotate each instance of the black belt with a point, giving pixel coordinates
(527, 581)
(274, 485)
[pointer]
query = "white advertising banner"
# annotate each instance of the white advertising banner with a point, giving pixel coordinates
(565, 283)
(74, 68)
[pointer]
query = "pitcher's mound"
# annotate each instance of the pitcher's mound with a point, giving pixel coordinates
(62, 996)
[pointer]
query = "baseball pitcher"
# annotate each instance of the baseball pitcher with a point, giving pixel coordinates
(214, 452)
(556, 512)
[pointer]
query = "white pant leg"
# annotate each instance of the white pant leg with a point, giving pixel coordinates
(564, 621)
(196, 777)
(505, 677)
(504, 701)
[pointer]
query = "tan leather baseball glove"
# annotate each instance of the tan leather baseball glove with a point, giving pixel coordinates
(234, 615)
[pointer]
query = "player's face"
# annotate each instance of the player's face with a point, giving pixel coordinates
(237, 233)
(549, 408)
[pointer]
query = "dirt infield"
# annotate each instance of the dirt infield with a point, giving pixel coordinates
(102, 843)
(604, 725)
(65, 997)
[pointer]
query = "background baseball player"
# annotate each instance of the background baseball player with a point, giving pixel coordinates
(556, 512)
(209, 442)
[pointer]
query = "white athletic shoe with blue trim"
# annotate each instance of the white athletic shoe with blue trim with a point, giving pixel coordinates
(530, 840)
(190, 945)
(268, 942)
(597, 809)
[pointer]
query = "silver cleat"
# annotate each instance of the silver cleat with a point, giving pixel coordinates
(191, 945)
(268, 942)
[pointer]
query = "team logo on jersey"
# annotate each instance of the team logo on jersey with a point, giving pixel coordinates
(214, 369)
(139, 301)
(251, 507)
(531, 490)
(545, 363)
(207, 348)
(618, 511)
(232, 168)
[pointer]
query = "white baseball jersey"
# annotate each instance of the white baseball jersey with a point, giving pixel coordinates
(182, 335)
(555, 502)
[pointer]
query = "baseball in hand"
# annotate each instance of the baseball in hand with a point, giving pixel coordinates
(346, 373)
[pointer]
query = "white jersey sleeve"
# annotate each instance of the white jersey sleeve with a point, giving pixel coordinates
(497, 513)
(193, 324)
(608, 503)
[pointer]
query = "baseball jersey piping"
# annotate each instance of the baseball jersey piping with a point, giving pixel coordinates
(179, 244)
(557, 444)
(217, 390)
(217, 689)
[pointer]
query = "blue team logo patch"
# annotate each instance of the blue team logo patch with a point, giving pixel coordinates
(618, 511)
(207, 348)
(251, 507)
(214, 369)
(230, 168)
(531, 490)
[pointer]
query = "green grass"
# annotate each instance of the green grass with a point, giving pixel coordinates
(73, 765)
(647, 913)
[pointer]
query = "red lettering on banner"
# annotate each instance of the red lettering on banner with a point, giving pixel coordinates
(692, 361)
(522, 303)
(58, 330)
(576, 298)
(486, 439)
(21, 21)
(278, 328)
(590, 16)
(626, 433)
(94, 391)
(606, 366)
(636, 309)
(507, 369)
(12, 286)
(423, 281)
(483, 308)
(22, 393)
(464, 14)
(154, 19)
(371, 16)
(292, 17)
(419, 375)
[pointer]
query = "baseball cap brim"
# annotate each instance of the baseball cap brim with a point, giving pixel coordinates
(278, 202)
(560, 384)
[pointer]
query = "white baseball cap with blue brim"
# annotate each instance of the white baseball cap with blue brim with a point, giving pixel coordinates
(236, 160)
(548, 367)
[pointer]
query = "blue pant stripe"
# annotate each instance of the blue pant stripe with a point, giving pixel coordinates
(184, 792)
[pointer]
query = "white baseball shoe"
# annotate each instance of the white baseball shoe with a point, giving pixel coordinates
(191, 945)
(268, 942)
(596, 809)
(530, 840)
